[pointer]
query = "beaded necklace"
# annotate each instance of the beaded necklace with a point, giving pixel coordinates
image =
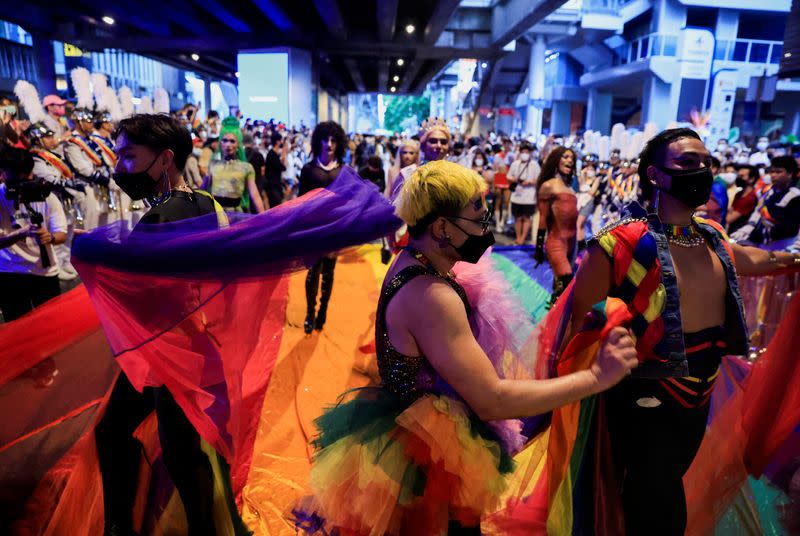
(419, 256)
(686, 236)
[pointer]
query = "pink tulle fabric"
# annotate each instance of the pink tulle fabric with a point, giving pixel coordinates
(503, 330)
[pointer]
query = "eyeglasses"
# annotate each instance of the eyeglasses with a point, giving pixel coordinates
(437, 141)
(483, 222)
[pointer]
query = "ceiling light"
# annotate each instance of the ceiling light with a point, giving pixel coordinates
(195, 57)
(393, 89)
(236, 74)
(484, 65)
(395, 78)
(108, 20)
(400, 62)
(787, 55)
(410, 28)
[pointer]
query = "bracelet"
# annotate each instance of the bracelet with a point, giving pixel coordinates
(773, 258)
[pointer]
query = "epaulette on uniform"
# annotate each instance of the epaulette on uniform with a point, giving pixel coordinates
(619, 223)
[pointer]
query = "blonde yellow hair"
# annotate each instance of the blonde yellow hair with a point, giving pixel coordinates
(438, 188)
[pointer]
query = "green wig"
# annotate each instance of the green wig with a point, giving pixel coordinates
(230, 125)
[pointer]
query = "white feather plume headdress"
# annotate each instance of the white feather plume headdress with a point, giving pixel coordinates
(146, 105)
(161, 101)
(82, 83)
(126, 102)
(111, 102)
(99, 85)
(29, 99)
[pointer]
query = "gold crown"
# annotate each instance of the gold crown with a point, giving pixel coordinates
(433, 123)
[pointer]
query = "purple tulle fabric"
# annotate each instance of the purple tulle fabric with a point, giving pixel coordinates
(503, 331)
(200, 309)
(290, 236)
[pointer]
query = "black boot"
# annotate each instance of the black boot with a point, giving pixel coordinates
(560, 283)
(312, 285)
(325, 292)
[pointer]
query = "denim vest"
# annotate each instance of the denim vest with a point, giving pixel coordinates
(671, 347)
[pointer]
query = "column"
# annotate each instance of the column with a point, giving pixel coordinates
(669, 16)
(658, 105)
(45, 64)
(533, 120)
(560, 116)
(207, 94)
(598, 111)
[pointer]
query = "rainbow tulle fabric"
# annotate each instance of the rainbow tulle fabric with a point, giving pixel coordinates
(387, 467)
(52, 389)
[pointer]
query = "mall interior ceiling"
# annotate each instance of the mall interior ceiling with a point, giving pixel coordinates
(360, 46)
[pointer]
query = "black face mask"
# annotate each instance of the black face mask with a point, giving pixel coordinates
(692, 187)
(741, 183)
(474, 246)
(137, 185)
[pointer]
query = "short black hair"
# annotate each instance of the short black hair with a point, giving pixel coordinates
(158, 132)
(458, 145)
(655, 151)
(275, 138)
(715, 162)
(526, 146)
(752, 171)
(785, 162)
(325, 130)
(375, 161)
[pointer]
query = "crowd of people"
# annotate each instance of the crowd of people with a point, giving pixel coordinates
(252, 165)
(639, 203)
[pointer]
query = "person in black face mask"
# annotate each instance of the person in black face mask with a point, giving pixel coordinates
(151, 155)
(152, 151)
(676, 274)
(427, 351)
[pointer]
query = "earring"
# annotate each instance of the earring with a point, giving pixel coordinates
(444, 241)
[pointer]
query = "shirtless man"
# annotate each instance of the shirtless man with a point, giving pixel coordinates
(677, 275)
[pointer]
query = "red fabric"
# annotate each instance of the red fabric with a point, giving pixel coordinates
(749, 429)
(238, 325)
(213, 344)
(745, 204)
(55, 367)
(49, 329)
(501, 180)
(561, 231)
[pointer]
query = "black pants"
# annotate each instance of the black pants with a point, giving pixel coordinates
(656, 428)
(119, 456)
(322, 269)
(21, 293)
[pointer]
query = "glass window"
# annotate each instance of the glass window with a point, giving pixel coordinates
(777, 52)
(670, 45)
(759, 53)
(740, 51)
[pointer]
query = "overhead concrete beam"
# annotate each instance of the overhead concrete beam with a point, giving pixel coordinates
(442, 12)
(332, 17)
(220, 12)
(515, 17)
(355, 74)
(386, 13)
(277, 16)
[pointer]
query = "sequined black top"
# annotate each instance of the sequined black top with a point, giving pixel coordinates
(408, 377)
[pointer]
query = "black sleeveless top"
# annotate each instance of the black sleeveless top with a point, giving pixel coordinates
(407, 377)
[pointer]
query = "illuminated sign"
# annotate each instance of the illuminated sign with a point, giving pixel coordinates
(71, 51)
(264, 85)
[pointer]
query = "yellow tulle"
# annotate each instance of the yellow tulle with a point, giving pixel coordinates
(429, 468)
